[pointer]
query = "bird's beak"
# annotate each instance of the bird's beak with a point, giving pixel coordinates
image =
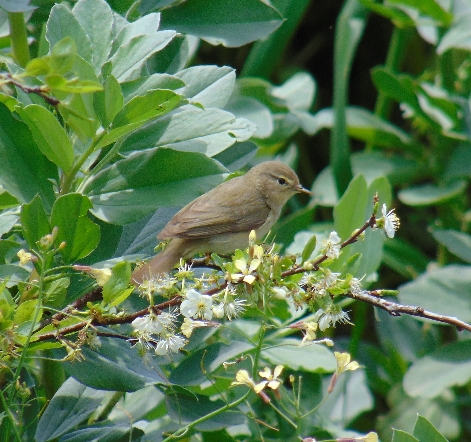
(301, 189)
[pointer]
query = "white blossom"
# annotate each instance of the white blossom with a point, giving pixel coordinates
(170, 344)
(148, 324)
(332, 245)
(389, 222)
(197, 305)
(327, 319)
(189, 325)
(231, 308)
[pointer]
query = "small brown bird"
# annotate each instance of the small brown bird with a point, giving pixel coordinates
(220, 220)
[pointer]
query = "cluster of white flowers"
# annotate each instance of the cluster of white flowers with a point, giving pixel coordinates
(157, 331)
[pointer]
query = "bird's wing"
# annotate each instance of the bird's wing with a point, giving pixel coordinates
(234, 208)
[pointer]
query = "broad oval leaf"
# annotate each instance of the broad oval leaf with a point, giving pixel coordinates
(458, 243)
(50, 136)
(226, 23)
(433, 374)
(25, 171)
(209, 131)
(313, 358)
(445, 291)
(115, 366)
(431, 194)
(136, 186)
(80, 234)
(70, 406)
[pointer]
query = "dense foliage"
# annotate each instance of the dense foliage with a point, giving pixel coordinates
(115, 114)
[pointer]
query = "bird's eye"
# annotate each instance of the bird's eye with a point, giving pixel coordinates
(281, 181)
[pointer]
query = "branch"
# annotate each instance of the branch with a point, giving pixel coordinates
(38, 90)
(395, 309)
(106, 320)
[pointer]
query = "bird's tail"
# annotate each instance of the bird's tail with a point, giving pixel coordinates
(157, 266)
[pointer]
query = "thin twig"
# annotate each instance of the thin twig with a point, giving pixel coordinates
(395, 309)
(38, 90)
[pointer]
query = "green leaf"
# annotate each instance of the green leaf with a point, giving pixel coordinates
(363, 125)
(13, 273)
(136, 186)
(56, 291)
(63, 56)
(152, 104)
(62, 23)
(108, 102)
(130, 57)
(458, 164)
(402, 436)
(210, 86)
(175, 56)
(72, 404)
(117, 283)
(209, 131)
(312, 358)
(37, 66)
(20, 153)
(7, 221)
(254, 111)
(144, 84)
(425, 431)
(404, 258)
(402, 88)
(80, 234)
(237, 156)
(458, 243)
(436, 372)
(34, 222)
(350, 398)
(350, 213)
(96, 18)
(24, 315)
(428, 8)
(225, 23)
(190, 370)
(186, 408)
(16, 5)
(444, 291)
(431, 194)
(116, 366)
(78, 112)
(309, 248)
(458, 35)
(49, 135)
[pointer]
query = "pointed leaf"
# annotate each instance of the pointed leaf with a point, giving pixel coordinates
(80, 234)
(96, 18)
(225, 23)
(34, 222)
(209, 131)
(136, 186)
(72, 404)
(62, 23)
(25, 171)
(49, 135)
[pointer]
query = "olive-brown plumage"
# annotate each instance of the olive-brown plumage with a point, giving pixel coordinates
(220, 220)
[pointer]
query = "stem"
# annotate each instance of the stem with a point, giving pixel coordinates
(258, 350)
(182, 431)
(34, 322)
(283, 416)
(11, 418)
(68, 179)
(18, 38)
